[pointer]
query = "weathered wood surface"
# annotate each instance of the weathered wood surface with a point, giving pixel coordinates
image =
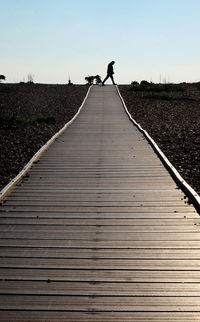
(98, 230)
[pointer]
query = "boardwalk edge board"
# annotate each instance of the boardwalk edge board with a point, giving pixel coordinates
(189, 191)
(11, 185)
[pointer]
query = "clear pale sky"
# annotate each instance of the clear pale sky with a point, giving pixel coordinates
(53, 39)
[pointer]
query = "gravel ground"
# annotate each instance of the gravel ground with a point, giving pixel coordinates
(19, 144)
(173, 120)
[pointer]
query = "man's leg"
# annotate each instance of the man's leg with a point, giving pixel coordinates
(111, 76)
(105, 79)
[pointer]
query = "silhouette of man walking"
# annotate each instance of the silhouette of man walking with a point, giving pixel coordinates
(110, 73)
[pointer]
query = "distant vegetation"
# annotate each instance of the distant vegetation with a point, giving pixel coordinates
(69, 82)
(2, 77)
(145, 86)
(90, 79)
(12, 122)
(30, 78)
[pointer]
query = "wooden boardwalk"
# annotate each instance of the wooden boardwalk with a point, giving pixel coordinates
(99, 231)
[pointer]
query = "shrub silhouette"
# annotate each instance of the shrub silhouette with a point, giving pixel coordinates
(134, 83)
(144, 83)
(2, 77)
(30, 78)
(98, 79)
(70, 83)
(90, 79)
(145, 86)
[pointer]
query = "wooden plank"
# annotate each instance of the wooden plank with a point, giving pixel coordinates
(95, 303)
(116, 222)
(98, 263)
(95, 197)
(139, 174)
(138, 276)
(98, 243)
(102, 209)
(142, 214)
(23, 316)
(99, 288)
(99, 253)
(126, 236)
(59, 191)
(83, 204)
(99, 228)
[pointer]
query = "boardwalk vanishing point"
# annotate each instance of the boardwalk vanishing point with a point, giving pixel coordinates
(98, 230)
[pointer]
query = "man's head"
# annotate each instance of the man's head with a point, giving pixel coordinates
(112, 62)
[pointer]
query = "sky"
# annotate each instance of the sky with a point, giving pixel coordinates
(54, 40)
